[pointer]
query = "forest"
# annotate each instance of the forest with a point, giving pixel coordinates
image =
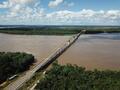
(72, 77)
(59, 30)
(13, 63)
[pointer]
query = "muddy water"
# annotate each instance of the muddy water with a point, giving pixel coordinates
(40, 46)
(100, 51)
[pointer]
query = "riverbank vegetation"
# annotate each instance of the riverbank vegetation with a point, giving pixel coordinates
(70, 77)
(38, 31)
(60, 30)
(13, 63)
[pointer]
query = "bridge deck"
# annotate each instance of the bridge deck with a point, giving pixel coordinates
(21, 80)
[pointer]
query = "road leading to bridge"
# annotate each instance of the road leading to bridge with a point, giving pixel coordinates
(21, 80)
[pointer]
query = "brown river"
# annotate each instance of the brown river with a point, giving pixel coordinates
(40, 46)
(101, 51)
(98, 51)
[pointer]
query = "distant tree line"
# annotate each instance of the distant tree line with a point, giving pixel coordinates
(70, 77)
(39, 31)
(59, 30)
(95, 31)
(13, 63)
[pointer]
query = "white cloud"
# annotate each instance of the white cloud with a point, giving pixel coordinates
(20, 12)
(38, 16)
(17, 8)
(113, 14)
(55, 3)
(11, 3)
(71, 4)
(85, 17)
(5, 5)
(20, 1)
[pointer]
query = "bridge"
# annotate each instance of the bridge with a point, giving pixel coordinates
(15, 85)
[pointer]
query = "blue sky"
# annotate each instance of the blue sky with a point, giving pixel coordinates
(89, 4)
(60, 12)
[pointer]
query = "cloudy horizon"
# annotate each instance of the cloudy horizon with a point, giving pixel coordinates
(59, 12)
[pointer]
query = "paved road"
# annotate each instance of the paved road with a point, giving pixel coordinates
(21, 80)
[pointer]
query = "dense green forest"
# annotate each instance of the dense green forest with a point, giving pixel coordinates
(58, 30)
(70, 77)
(39, 31)
(13, 63)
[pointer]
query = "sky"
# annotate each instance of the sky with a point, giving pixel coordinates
(59, 12)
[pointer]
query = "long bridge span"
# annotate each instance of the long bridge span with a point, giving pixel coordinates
(15, 85)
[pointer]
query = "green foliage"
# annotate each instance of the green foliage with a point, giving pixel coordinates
(59, 30)
(13, 63)
(70, 77)
(39, 31)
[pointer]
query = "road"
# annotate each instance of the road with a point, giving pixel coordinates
(15, 85)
